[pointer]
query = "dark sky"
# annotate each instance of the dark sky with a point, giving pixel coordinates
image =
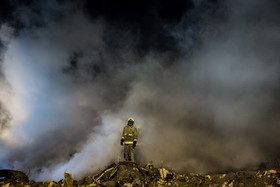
(145, 17)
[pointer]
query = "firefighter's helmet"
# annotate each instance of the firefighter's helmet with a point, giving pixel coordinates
(130, 121)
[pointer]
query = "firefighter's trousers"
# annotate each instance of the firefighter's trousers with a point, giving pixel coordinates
(129, 152)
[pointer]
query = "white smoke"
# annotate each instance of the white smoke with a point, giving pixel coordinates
(203, 112)
(45, 103)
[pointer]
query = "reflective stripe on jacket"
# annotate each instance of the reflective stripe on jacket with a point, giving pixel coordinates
(128, 142)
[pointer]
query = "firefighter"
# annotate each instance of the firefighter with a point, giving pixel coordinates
(129, 140)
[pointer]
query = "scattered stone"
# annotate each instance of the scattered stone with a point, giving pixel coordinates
(131, 174)
(127, 185)
(272, 171)
(68, 179)
(52, 184)
(163, 172)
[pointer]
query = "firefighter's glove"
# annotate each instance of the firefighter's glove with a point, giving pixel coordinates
(134, 144)
(122, 140)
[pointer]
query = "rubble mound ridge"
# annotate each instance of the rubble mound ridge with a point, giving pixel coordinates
(122, 173)
(11, 176)
(131, 174)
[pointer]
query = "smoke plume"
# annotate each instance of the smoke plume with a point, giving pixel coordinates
(202, 85)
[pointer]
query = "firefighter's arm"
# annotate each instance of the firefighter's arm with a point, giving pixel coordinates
(135, 138)
(135, 135)
(123, 134)
(122, 140)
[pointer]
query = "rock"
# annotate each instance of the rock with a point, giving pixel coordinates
(208, 177)
(47, 183)
(272, 171)
(92, 184)
(163, 172)
(37, 184)
(128, 185)
(123, 172)
(68, 179)
(128, 172)
(222, 176)
(13, 176)
(110, 183)
(85, 181)
(52, 184)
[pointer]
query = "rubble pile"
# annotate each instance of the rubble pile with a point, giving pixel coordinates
(131, 174)
(240, 178)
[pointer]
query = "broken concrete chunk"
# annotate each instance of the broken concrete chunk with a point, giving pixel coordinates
(68, 179)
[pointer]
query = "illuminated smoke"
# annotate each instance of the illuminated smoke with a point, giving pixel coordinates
(69, 85)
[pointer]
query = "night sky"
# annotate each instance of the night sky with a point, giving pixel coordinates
(200, 77)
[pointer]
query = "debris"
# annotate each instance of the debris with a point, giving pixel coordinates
(13, 177)
(128, 185)
(131, 174)
(163, 172)
(68, 179)
(6, 185)
(272, 171)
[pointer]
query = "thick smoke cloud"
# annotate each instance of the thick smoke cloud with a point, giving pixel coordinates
(207, 100)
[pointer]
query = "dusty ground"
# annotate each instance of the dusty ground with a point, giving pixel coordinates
(130, 174)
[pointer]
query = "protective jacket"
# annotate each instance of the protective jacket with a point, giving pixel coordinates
(129, 135)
